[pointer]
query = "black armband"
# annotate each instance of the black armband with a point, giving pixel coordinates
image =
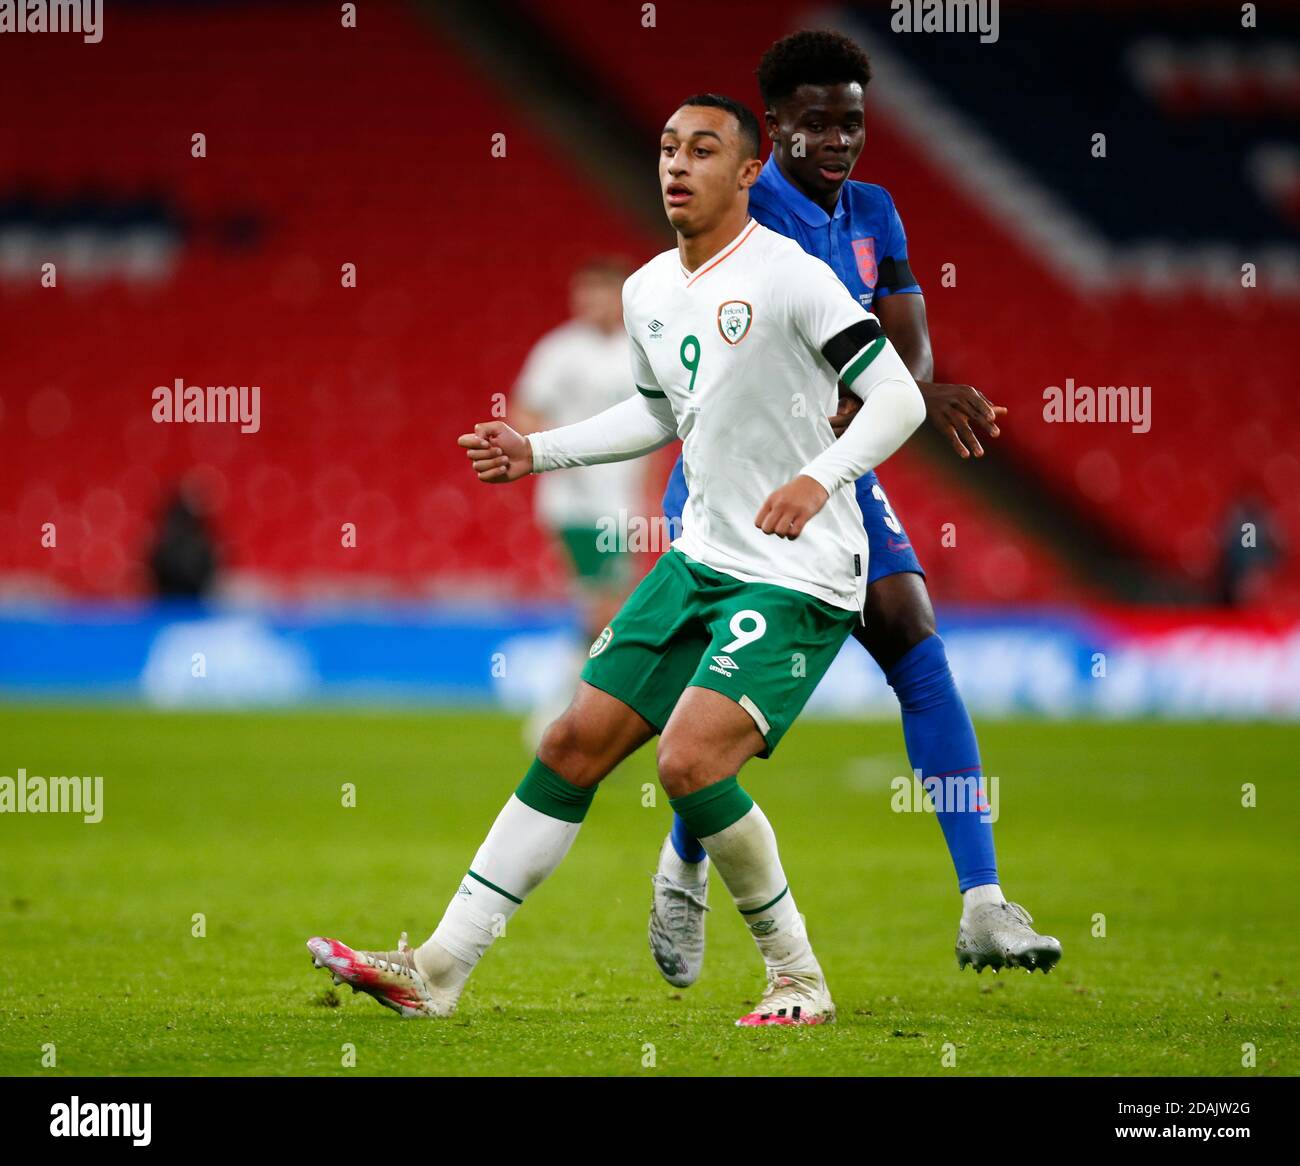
(891, 274)
(841, 349)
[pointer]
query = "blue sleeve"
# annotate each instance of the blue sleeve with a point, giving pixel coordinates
(895, 273)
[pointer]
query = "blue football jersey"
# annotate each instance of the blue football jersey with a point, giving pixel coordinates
(863, 241)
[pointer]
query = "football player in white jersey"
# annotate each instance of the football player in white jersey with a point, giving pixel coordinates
(739, 340)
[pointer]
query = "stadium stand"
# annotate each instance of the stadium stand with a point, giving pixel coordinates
(373, 147)
(323, 148)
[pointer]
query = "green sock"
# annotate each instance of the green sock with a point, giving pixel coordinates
(548, 793)
(713, 808)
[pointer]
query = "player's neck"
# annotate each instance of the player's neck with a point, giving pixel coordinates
(827, 201)
(697, 250)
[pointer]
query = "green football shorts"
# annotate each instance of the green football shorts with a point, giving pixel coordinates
(764, 646)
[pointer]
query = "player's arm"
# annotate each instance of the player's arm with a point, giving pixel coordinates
(630, 429)
(952, 409)
(633, 428)
(891, 411)
(892, 405)
(904, 322)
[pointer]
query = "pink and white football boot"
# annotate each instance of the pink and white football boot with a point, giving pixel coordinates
(792, 998)
(391, 977)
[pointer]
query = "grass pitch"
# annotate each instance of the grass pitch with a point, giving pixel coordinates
(239, 819)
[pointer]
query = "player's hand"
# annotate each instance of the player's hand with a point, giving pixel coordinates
(850, 403)
(787, 510)
(497, 452)
(952, 410)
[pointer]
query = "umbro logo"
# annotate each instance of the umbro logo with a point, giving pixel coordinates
(724, 665)
(656, 330)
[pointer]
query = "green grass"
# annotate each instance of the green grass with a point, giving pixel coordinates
(239, 817)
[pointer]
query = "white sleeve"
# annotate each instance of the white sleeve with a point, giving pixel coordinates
(643, 376)
(892, 409)
(630, 429)
(818, 305)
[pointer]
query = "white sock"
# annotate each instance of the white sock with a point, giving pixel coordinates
(522, 848)
(973, 897)
(686, 874)
(746, 857)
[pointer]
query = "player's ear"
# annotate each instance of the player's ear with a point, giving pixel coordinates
(773, 126)
(749, 172)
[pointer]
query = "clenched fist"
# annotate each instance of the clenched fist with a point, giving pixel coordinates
(787, 510)
(498, 453)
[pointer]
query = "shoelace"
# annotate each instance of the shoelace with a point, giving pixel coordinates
(404, 963)
(1019, 913)
(782, 992)
(680, 897)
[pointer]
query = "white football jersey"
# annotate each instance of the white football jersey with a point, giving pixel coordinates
(736, 348)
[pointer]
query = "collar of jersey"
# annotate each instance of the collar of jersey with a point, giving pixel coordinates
(751, 225)
(774, 178)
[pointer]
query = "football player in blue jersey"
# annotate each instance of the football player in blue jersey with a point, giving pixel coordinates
(813, 84)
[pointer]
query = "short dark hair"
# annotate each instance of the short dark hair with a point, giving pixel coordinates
(749, 132)
(810, 57)
(610, 267)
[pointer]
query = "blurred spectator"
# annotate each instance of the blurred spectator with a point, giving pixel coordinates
(184, 557)
(1250, 547)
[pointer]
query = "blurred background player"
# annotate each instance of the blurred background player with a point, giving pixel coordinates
(574, 372)
(812, 84)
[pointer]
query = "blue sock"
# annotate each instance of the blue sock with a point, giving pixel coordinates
(685, 843)
(941, 746)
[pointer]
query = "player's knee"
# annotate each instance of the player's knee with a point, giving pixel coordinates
(898, 617)
(911, 626)
(683, 766)
(566, 748)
